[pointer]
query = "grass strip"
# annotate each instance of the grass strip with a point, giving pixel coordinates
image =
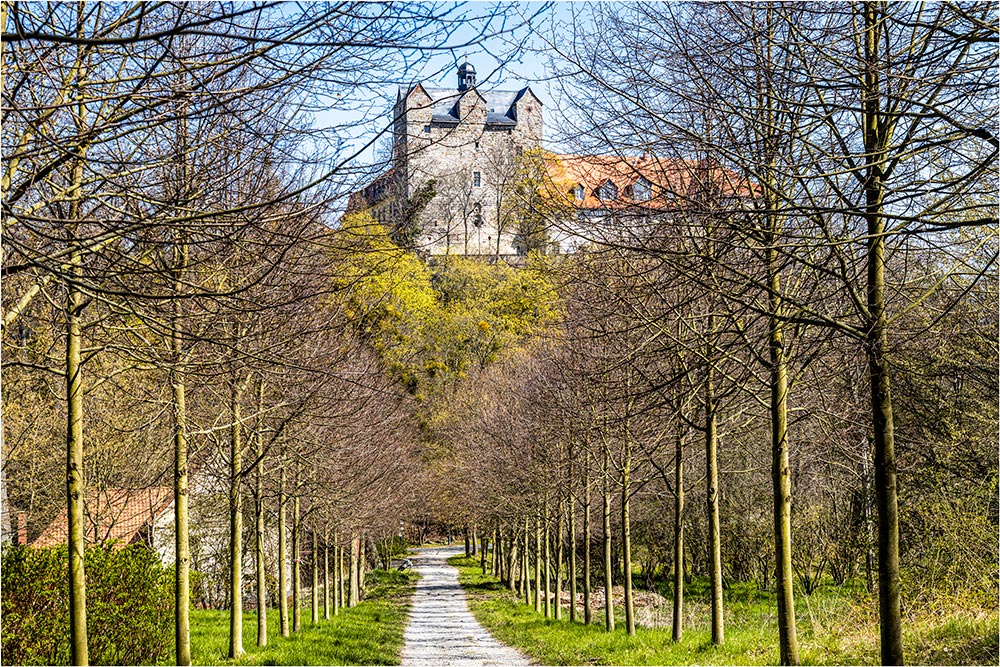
(835, 626)
(371, 633)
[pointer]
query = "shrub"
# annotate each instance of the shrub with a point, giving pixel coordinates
(129, 606)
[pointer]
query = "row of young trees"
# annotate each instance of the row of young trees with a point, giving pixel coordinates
(824, 212)
(822, 215)
(169, 282)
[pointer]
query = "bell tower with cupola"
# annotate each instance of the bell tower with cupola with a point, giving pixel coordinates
(466, 77)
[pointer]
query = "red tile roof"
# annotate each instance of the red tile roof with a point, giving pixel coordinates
(671, 180)
(118, 515)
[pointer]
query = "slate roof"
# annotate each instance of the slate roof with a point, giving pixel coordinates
(500, 105)
(118, 515)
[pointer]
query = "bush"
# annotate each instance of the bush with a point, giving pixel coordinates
(129, 606)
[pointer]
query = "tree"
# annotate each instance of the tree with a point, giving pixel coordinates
(880, 146)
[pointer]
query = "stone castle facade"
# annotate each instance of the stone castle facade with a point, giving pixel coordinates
(467, 141)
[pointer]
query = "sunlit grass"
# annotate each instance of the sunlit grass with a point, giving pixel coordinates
(370, 633)
(835, 626)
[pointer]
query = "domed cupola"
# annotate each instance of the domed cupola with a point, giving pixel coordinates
(466, 77)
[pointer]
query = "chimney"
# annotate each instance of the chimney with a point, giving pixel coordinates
(22, 529)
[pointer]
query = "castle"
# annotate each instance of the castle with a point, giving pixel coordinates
(467, 142)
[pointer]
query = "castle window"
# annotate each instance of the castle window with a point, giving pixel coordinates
(477, 179)
(642, 190)
(607, 191)
(477, 145)
(578, 192)
(427, 129)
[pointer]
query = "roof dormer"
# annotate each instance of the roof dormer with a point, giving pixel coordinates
(606, 191)
(641, 190)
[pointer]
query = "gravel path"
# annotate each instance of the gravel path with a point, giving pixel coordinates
(442, 630)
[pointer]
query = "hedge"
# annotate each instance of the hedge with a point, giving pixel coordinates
(129, 606)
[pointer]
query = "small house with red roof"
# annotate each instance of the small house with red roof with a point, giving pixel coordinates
(120, 517)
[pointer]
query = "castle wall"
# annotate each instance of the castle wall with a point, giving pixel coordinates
(473, 163)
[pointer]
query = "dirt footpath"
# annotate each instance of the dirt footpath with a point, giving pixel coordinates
(442, 630)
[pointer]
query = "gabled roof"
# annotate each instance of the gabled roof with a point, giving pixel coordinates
(113, 515)
(501, 106)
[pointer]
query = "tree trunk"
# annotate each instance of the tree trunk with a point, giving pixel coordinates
(296, 563)
(890, 618)
(609, 607)
(341, 584)
(548, 564)
(778, 357)
(472, 552)
(468, 551)
(282, 554)
(868, 513)
(362, 566)
(525, 564)
(712, 501)
(780, 476)
(512, 561)
(678, 619)
(498, 555)
(261, 579)
(627, 543)
(235, 523)
(75, 491)
(326, 575)
(314, 597)
(495, 553)
(75, 486)
(483, 548)
(514, 556)
(557, 538)
(182, 542)
(355, 590)
(259, 521)
(538, 562)
(587, 613)
(571, 535)
(337, 575)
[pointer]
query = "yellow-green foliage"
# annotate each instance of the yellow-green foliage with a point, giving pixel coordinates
(434, 324)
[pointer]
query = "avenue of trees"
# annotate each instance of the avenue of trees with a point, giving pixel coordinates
(792, 349)
(780, 369)
(173, 307)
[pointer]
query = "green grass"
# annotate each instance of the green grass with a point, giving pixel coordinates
(835, 626)
(370, 633)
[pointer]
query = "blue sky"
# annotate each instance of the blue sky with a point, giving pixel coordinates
(509, 61)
